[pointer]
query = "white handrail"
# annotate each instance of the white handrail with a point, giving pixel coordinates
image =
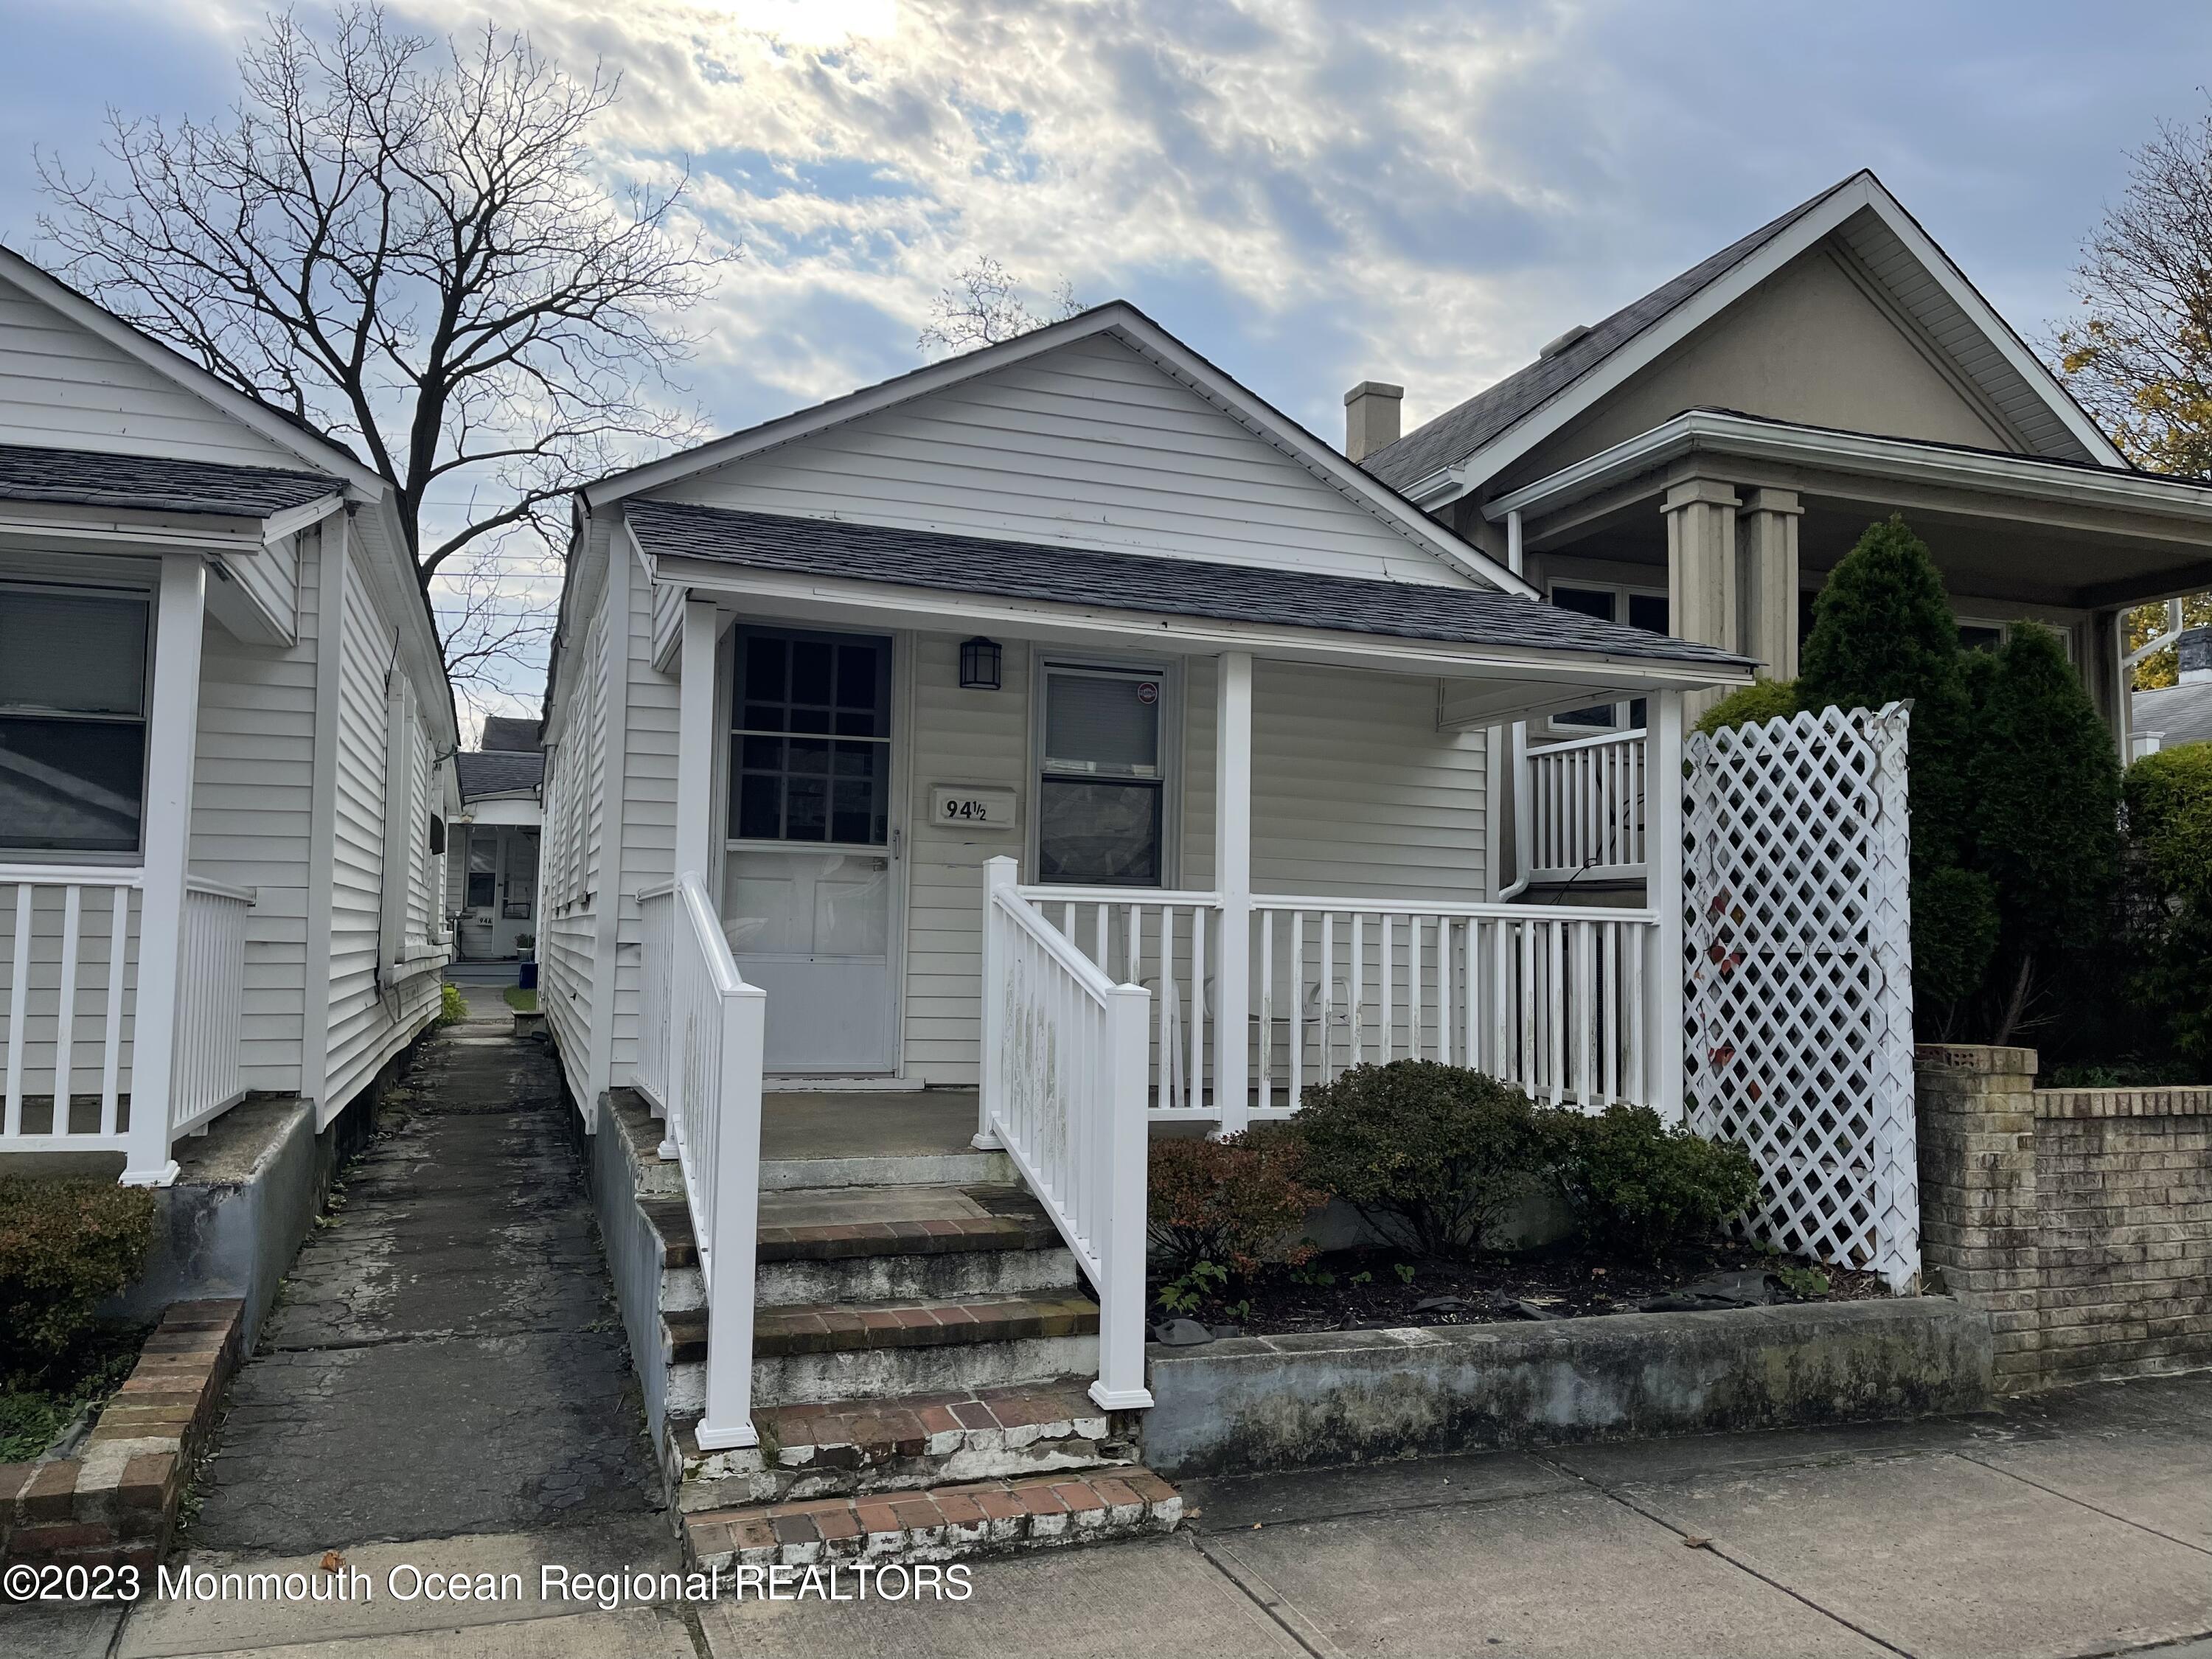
(656, 907)
(1064, 1092)
(716, 1027)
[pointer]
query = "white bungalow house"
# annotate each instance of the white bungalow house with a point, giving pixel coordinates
(1062, 733)
(1700, 460)
(491, 851)
(223, 735)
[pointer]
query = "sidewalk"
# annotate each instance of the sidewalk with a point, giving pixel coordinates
(2074, 1524)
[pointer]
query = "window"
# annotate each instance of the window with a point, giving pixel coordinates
(1987, 634)
(521, 877)
(484, 870)
(810, 750)
(1639, 609)
(73, 669)
(1101, 796)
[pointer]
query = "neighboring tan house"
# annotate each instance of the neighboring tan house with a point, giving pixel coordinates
(1700, 460)
(1060, 719)
(2175, 715)
(223, 724)
(491, 885)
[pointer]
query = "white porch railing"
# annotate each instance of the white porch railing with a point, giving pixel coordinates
(69, 977)
(1554, 999)
(700, 1043)
(206, 1079)
(1586, 808)
(1064, 1058)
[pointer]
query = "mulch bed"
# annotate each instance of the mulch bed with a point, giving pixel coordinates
(1364, 1289)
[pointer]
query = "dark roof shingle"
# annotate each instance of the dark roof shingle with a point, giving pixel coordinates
(507, 734)
(159, 484)
(497, 772)
(1142, 582)
(1454, 436)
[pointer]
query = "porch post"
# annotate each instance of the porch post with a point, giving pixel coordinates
(1663, 977)
(1232, 875)
(694, 740)
(172, 733)
(1701, 568)
(1768, 580)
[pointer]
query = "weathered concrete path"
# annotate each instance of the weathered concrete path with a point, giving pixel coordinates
(446, 1356)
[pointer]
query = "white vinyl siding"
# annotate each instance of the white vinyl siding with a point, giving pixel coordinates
(1088, 445)
(644, 834)
(271, 577)
(63, 387)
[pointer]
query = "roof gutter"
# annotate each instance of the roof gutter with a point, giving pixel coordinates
(1717, 432)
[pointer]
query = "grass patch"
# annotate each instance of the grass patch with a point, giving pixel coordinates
(34, 1409)
(522, 1001)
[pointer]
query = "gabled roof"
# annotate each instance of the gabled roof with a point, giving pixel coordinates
(1140, 332)
(1142, 583)
(161, 484)
(498, 773)
(1489, 430)
(508, 734)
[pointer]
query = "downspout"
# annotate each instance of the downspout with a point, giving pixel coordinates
(1523, 826)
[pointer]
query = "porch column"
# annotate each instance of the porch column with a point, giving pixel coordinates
(1232, 875)
(694, 740)
(1663, 977)
(1767, 580)
(165, 834)
(1701, 569)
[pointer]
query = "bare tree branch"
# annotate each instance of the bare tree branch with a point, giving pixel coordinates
(402, 241)
(983, 305)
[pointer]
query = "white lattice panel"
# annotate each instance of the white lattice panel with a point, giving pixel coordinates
(1797, 992)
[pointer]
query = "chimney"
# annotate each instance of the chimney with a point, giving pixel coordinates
(2194, 652)
(1370, 418)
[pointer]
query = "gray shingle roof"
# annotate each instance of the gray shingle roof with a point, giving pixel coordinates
(1458, 433)
(507, 734)
(2182, 714)
(1141, 582)
(497, 772)
(85, 478)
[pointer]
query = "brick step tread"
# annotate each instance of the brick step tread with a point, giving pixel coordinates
(804, 1224)
(875, 1430)
(935, 1523)
(848, 1328)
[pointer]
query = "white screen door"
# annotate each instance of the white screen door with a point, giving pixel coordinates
(809, 888)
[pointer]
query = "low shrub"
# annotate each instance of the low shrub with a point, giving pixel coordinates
(1638, 1187)
(1233, 1203)
(1432, 1156)
(65, 1246)
(453, 1006)
(2167, 800)
(1762, 700)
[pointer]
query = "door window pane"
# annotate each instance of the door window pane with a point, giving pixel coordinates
(829, 780)
(484, 870)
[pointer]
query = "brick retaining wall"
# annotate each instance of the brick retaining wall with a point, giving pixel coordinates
(116, 1502)
(2080, 1218)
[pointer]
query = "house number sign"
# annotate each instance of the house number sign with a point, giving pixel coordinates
(956, 808)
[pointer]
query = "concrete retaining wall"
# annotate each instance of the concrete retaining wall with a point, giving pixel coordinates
(1253, 1403)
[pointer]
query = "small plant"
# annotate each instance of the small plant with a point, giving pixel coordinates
(1320, 1278)
(1405, 1271)
(1806, 1284)
(1361, 1278)
(1639, 1188)
(66, 1246)
(1432, 1156)
(1184, 1295)
(453, 1006)
(1235, 1202)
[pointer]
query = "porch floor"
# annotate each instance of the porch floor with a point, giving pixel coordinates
(918, 1123)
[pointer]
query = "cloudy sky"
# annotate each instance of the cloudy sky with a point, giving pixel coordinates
(1310, 193)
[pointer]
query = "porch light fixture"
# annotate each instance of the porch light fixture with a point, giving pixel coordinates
(979, 665)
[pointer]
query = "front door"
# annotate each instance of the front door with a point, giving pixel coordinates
(809, 894)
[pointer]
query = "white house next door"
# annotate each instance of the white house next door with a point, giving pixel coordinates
(810, 886)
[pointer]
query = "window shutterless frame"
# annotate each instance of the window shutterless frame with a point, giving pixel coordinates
(1131, 799)
(1639, 607)
(51, 744)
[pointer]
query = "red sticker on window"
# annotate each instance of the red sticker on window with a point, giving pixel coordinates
(1148, 691)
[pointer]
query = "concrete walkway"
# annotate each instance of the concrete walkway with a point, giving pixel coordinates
(2074, 1524)
(445, 1358)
